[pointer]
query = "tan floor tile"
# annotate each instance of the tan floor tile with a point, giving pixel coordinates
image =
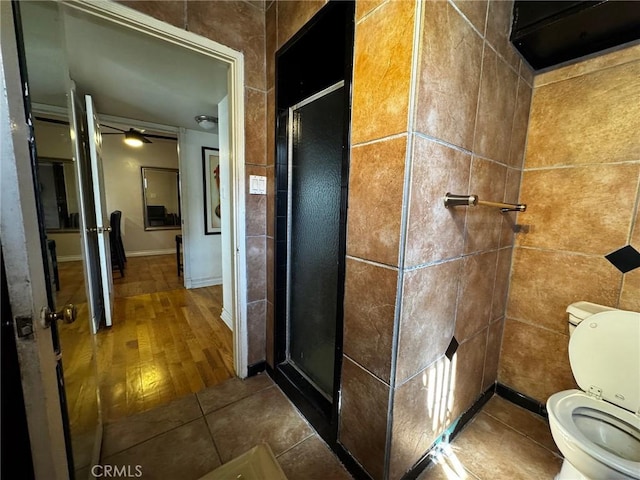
(527, 423)
(135, 429)
(232, 390)
(312, 460)
(186, 453)
(446, 471)
(266, 416)
(491, 450)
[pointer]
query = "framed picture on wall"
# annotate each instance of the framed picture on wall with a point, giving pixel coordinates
(211, 184)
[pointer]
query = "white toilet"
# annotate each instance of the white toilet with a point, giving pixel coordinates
(597, 429)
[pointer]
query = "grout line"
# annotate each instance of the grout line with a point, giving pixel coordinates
(581, 73)
(134, 445)
(524, 434)
(580, 165)
(312, 434)
(535, 325)
(213, 440)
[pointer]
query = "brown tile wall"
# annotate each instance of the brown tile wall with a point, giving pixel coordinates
(241, 26)
(383, 57)
(453, 119)
(580, 182)
(470, 116)
(448, 113)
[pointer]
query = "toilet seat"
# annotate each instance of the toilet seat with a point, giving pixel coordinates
(605, 357)
(561, 407)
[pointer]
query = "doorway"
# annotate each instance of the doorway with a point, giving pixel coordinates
(231, 147)
(313, 75)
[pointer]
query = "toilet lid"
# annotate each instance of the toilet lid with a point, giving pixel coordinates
(604, 351)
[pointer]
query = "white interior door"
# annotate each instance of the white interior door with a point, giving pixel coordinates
(97, 281)
(20, 237)
(102, 217)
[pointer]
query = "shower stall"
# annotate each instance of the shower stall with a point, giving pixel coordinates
(313, 74)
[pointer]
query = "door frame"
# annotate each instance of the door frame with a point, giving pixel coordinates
(114, 12)
(25, 267)
(20, 235)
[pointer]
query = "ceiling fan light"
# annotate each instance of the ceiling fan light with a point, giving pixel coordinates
(207, 122)
(134, 139)
(133, 142)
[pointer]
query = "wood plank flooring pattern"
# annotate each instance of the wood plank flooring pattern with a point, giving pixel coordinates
(165, 342)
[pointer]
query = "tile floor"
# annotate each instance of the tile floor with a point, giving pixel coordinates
(197, 433)
(503, 441)
(193, 435)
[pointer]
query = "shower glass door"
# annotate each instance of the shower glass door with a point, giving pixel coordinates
(315, 151)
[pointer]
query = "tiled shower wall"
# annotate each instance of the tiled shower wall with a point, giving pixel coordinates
(581, 184)
(440, 104)
(239, 25)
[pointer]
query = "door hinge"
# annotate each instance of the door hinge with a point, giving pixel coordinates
(24, 326)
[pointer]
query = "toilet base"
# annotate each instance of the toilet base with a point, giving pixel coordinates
(569, 472)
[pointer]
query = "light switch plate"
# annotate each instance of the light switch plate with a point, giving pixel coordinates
(257, 185)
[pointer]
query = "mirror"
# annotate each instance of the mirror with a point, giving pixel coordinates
(59, 196)
(161, 198)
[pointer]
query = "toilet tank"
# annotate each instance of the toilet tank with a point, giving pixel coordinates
(578, 311)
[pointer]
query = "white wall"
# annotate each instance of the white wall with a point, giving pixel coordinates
(122, 165)
(123, 188)
(202, 253)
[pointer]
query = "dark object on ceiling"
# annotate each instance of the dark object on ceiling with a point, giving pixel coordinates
(553, 32)
(135, 134)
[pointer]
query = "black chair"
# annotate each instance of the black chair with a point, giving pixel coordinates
(118, 256)
(178, 256)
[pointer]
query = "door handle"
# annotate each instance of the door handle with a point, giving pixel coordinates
(68, 314)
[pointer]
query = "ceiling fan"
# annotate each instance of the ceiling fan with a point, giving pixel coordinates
(134, 137)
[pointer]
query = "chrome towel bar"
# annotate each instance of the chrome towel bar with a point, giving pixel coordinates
(453, 200)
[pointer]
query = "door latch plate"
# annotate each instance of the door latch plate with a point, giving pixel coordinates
(24, 326)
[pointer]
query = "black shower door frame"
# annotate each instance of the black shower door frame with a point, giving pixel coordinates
(317, 58)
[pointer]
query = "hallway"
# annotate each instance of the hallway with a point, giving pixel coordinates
(165, 342)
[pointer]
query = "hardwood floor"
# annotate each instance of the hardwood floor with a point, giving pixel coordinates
(165, 342)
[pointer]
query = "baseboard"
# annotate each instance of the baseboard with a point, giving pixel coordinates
(522, 400)
(150, 253)
(139, 253)
(256, 368)
(68, 258)
(226, 317)
(203, 282)
(356, 470)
